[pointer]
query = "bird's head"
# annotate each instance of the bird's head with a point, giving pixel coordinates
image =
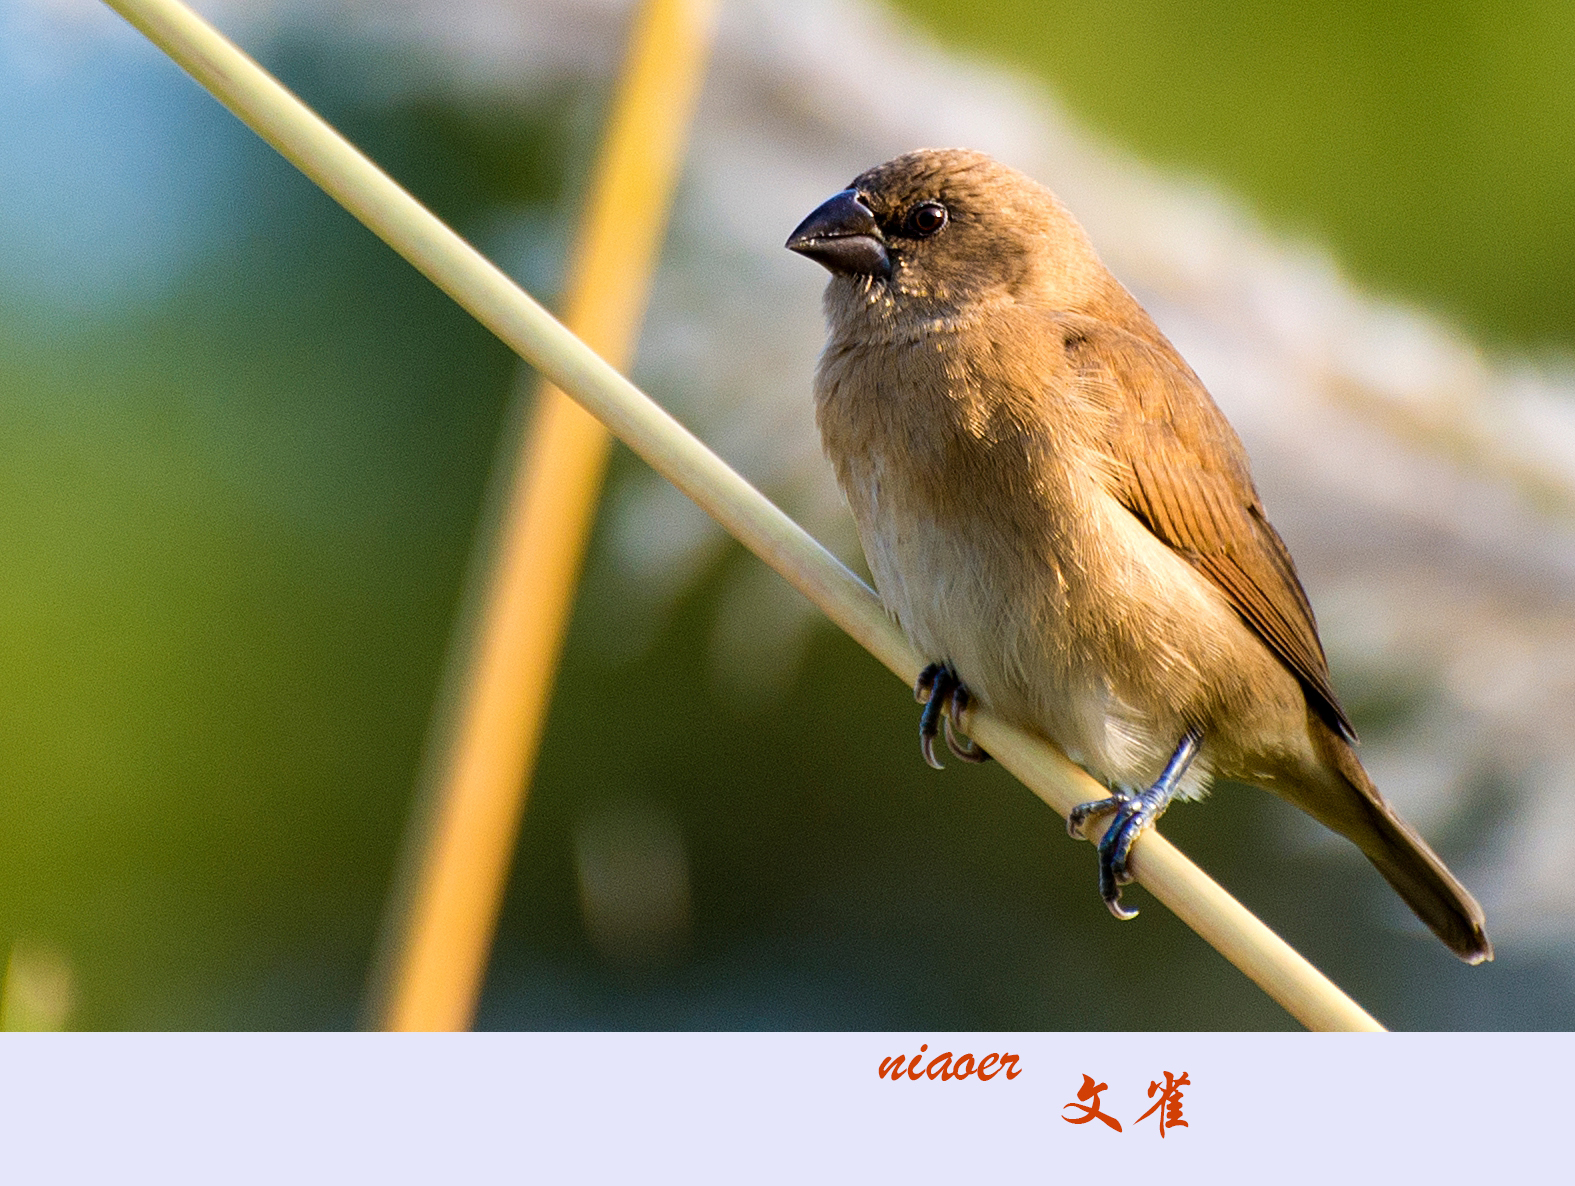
(936, 232)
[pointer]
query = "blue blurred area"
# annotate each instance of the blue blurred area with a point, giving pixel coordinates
(115, 173)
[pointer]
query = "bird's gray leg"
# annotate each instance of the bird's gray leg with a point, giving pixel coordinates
(1132, 812)
(938, 688)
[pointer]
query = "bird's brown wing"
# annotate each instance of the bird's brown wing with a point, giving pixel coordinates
(1177, 465)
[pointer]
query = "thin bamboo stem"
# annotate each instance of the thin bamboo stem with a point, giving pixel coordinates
(464, 831)
(441, 255)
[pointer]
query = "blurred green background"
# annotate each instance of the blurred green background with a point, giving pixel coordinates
(237, 496)
(1430, 144)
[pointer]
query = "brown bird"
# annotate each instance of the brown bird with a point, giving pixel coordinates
(1062, 521)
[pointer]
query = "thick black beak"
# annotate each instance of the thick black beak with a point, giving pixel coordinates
(841, 236)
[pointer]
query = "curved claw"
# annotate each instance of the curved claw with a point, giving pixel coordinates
(967, 749)
(1117, 909)
(1114, 904)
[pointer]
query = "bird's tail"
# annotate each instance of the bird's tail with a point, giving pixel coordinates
(1348, 802)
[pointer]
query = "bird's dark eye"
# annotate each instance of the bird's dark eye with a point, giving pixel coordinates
(925, 219)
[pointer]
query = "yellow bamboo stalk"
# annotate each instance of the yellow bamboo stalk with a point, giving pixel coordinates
(465, 829)
(490, 296)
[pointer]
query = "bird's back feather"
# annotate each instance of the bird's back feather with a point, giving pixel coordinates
(1179, 467)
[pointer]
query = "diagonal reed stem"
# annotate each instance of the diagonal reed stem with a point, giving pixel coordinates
(510, 313)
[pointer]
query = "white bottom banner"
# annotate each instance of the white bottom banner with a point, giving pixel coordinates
(618, 1107)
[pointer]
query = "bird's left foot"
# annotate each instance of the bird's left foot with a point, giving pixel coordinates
(938, 688)
(1132, 812)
